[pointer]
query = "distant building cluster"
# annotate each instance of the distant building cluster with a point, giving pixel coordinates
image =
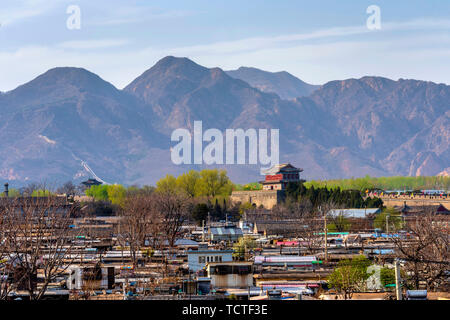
(265, 254)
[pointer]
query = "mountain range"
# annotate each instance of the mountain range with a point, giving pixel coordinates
(282, 83)
(69, 124)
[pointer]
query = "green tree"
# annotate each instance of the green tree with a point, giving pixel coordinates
(188, 182)
(245, 207)
(41, 193)
(116, 194)
(253, 186)
(13, 193)
(214, 182)
(200, 213)
(384, 183)
(99, 192)
(350, 276)
(167, 185)
(374, 202)
(361, 263)
(339, 223)
(217, 211)
(242, 247)
(387, 276)
(391, 217)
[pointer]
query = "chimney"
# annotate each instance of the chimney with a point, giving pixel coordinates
(6, 190)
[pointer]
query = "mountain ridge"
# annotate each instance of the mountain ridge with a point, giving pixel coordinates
(283, 83)
(344, 128)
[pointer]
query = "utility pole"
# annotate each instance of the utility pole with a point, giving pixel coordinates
(209, 219)
(398, 288)
(203, 230)
(189, 285)
(325, 230)
(387, 223)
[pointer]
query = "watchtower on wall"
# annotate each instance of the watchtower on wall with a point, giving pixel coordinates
(278, 177)
(274, 185)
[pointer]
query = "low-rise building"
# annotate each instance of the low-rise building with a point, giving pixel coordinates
(230, 274)
(227, 233)
(355, 213)
(197, 259)
(91, 278)
(302, 262)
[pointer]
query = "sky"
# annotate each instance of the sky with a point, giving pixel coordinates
(317, 41)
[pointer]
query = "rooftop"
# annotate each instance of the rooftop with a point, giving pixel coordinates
(226, 231)
(286, 167)
(354, 213)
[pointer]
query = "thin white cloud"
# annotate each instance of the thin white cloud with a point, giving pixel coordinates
(257, 43)
(417, 24)
(128, 15)
(338, 55)
(93, 44)
(13, 12)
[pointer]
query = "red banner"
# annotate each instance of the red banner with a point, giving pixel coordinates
(274, 177)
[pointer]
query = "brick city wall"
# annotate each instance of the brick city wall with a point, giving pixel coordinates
(267, 198)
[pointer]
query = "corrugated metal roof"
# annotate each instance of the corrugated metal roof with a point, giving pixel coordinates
(354, 213)
(226, 231)
(287, 259)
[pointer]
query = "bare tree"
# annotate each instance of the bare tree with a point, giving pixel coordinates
(309, 225)
(38, 241)
(67, 188)
(138, 221)
(173, 208)
(5, 270)
(426, 254)
(142, 229)
(42, 186)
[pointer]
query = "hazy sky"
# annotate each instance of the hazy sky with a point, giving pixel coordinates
(317, 41)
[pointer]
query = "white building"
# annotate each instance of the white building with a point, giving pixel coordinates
(197, 259)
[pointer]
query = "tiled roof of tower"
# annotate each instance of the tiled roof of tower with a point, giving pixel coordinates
(282, 167)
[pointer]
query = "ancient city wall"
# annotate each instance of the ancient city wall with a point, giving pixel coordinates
(390, 202)
(267, 198)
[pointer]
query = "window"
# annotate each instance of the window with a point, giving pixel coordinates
(223, 270)
(242, 270)
(201, 259)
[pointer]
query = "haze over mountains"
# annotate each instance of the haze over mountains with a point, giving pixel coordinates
(282, 83)
(70, 124)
